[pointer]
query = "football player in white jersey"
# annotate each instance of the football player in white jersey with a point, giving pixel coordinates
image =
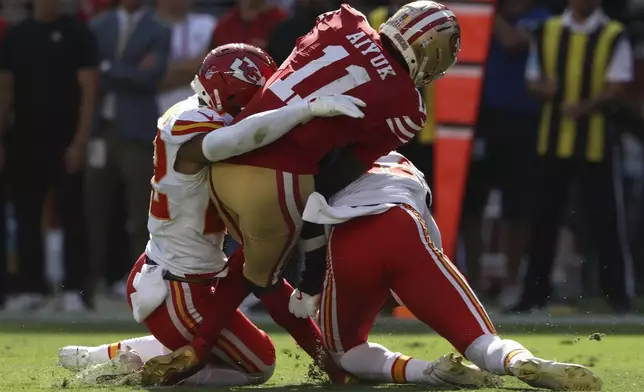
(383, 238)
(170, 284)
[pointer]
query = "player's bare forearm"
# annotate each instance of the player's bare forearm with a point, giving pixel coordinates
(190, 157)
(88, 81)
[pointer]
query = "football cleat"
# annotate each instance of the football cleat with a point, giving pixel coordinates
(123, 369)
(74, 357)
(172, 368)
(557, 376)
(449, 371)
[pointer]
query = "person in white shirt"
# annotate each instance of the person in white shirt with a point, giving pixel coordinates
(191, 33)
(580, 65)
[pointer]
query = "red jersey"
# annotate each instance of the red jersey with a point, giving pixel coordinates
(341, 55)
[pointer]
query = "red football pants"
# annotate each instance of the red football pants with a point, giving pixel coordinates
(371, 255)
(241, 345)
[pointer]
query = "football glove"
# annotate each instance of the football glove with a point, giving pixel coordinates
(303, 305)
(336, 105)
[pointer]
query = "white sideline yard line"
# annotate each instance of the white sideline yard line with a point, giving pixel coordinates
(499, 320)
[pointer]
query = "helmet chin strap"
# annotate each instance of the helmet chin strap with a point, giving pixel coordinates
(199, 89)
(218, 104)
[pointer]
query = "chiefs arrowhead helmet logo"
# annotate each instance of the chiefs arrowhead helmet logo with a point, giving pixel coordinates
(245, 70)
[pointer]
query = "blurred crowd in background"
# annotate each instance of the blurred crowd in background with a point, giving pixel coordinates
(82, 83)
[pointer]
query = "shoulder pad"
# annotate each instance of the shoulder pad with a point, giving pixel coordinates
(327, 14)
(353, 11)
(186, 118)
(196, 121)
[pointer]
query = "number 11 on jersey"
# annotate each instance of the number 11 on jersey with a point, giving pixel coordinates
(355, 77)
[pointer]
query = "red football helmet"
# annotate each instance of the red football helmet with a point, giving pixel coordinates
(230, 75)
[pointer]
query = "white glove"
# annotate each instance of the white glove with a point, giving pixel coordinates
(336, 105)
(302, 305)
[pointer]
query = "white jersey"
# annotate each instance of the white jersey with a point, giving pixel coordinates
(393, 180)
(186, 234)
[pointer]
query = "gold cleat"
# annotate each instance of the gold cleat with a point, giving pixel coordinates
(172, 368)
(450, 370)
(557, 376)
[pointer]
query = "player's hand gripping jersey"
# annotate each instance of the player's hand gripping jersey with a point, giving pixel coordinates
(342, 54)
(186, 234)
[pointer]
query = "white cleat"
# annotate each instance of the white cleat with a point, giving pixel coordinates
(450, 371)
(123, 369)
(74, 357)
(557, 376)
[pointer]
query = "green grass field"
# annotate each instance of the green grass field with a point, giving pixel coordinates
(28, 356)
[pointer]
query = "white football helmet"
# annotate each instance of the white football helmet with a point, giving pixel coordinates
(428, 36)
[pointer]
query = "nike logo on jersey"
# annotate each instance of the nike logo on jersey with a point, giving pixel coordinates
(378, 59)
(209, 118)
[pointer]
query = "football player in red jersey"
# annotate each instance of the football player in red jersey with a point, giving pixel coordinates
(383, 238)
(260, 195)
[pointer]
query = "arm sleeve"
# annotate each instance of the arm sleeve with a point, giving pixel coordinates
(621, 67)
(254, 131)
(313, 241)
(145, 79)
(337, 170)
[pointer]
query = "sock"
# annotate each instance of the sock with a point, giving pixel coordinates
(374, 362)
(496, 355)
(216, 376)
(147, 347)
(305, 332)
